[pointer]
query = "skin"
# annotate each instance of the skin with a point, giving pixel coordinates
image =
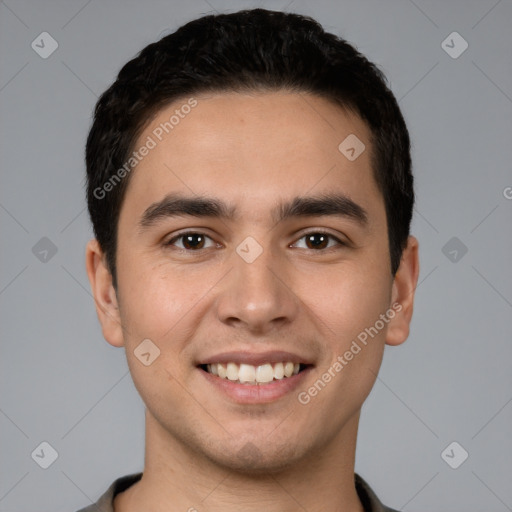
(203, 450)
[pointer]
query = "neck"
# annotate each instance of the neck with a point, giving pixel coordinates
(177, 478)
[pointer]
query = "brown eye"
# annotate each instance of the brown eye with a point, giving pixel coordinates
(189, 241)
(318, 240)
(194, 241)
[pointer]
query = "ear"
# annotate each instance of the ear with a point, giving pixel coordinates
(402, 294)
(104, 293)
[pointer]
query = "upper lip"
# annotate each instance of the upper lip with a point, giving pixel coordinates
(255, 358)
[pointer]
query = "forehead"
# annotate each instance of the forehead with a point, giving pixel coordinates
(251, 148)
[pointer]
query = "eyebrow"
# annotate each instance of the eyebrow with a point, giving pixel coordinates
(174, 205)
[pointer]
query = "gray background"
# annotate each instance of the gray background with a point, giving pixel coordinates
(451, 381)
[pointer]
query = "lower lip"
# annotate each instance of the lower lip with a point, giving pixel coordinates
(256, 393)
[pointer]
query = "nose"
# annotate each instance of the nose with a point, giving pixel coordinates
(257, 296)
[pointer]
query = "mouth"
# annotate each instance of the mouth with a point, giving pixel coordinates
(252, 375)
(249, 378)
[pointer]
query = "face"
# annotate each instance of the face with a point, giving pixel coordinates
(285, 272)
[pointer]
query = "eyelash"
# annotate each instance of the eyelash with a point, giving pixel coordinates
(317, 232)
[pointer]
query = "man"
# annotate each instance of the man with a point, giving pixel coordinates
(250, 188)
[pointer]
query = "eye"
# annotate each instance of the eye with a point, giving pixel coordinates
(318, 240)
(191, 241)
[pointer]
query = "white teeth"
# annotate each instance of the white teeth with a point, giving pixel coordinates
(246, 373)
(221, 370)
(264, 373)
(279, 371)
(249, 374)
(232, 371)
(288, 369)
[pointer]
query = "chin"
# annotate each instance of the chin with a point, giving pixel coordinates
(257, 458)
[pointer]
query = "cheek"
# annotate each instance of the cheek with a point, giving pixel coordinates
(153, 301)
(165, 306)
(148, 309)
(157, 310)
(349, 309)
(347, 300)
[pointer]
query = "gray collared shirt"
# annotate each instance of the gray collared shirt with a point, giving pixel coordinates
(106, 501)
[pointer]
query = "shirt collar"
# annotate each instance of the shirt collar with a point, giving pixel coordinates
(106, 502)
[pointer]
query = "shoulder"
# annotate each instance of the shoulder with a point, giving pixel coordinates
(105, 502)
(369, 499)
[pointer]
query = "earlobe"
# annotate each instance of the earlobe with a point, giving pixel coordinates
(104, 293)
(402, 296)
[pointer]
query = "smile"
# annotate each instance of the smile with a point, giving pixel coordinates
(254, 375)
